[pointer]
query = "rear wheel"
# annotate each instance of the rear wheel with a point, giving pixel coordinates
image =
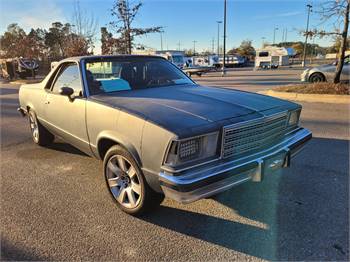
(40, 135)
(127, 184)
(316, 78)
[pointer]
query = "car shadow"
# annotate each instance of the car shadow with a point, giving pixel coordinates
(60, 145)
(286, 217)
(12, 252)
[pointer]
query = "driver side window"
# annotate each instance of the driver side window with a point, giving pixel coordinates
(69, 76)
(347, 60)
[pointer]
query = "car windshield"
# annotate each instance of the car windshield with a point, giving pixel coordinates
(105, 75)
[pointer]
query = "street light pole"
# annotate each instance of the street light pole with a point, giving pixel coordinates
(306, 33)
(194, 47)
(224, 61)
(218, 47)
(274, 34)
(161, 40)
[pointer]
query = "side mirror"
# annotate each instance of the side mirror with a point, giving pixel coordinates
(66, 91)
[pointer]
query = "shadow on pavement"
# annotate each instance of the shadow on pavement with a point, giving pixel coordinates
(305, 210)
(11, 252)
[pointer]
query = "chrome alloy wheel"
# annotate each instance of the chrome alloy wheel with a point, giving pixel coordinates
(123, 181)
(33, 122)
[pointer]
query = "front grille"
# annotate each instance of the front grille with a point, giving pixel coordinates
(239, 139)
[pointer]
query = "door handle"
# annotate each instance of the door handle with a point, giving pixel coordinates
(47, 102)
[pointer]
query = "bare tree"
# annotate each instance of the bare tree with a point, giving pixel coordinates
(338, 9)
(84, 25)
(125, 15)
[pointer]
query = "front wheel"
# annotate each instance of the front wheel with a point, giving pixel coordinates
(127, 184)
(317, 77)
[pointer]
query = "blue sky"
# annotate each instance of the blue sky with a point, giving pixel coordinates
(183, 20)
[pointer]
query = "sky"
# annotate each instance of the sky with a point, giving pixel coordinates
(184, 21)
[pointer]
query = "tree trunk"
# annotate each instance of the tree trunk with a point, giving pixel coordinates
(343, 46)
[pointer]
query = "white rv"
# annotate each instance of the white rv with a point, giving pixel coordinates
(273, 56)
(176, 57)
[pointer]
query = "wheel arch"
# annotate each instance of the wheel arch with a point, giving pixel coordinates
(107, 140)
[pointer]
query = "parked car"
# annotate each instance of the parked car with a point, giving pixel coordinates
(158, 132)
(325, 73)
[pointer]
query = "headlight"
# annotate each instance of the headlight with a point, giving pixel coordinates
(293, 119)
(191, 149)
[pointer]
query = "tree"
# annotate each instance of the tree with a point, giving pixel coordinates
(339, 9)
(298, 47)
(110, 45)
(13, 42)
(62, 42)
(232, 51)
(246, 49)
(84, 26)
(125, 16)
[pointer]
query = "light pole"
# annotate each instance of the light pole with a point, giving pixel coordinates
(263, 41)
(274, 34)
(306, 33)
(218, 50)
(212, 45)
(194, 47)
(224, 61)
(161, 40)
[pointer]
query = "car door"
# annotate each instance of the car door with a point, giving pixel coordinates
(345, 75)
(66, 115)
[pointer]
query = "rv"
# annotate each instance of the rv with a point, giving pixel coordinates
(209, 60)
(273, 57)
(176, 57)
(232, 61)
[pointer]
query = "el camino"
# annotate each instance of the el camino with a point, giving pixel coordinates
(158, 132)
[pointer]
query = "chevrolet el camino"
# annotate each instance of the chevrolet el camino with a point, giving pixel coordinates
(158, 132)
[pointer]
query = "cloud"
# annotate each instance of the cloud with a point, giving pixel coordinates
(32, 14)
(286, 14)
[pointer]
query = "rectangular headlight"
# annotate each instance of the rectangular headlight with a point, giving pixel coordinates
(293, 119)
(192, 149)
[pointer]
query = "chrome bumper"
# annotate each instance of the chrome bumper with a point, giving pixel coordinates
(218, 176)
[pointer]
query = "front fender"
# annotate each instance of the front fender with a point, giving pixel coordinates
(121, 140)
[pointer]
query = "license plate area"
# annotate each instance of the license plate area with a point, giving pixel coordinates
(269, 165)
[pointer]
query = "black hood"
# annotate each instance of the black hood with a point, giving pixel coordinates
(185, 109)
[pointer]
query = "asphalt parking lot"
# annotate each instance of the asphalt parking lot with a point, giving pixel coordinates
(54, 204)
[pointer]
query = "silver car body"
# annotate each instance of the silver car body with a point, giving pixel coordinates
(147, 122)
(327, 71)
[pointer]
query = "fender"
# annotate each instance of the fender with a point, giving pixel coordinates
(120, 140)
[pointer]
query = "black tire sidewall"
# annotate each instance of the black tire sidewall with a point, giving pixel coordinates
(315, 76)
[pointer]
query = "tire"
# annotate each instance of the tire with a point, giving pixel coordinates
(40, 134)
(127, 184)
(316, 78)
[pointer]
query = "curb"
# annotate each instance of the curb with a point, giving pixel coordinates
(338, 99)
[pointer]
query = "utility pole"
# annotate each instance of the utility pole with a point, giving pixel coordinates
(274, 34)
(179, 46)
(161, 40)
(224, 61)
(194, 47)
(212, 45)
(306, 33)
(283, 35)
(218, 47)
(263, 41)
